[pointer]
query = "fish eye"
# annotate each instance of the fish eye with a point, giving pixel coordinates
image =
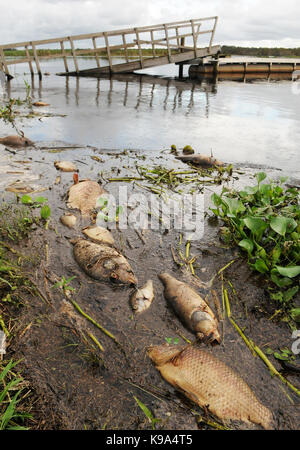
(114, 276)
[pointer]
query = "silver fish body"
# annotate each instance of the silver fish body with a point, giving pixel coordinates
(143, 297)
(191, 308)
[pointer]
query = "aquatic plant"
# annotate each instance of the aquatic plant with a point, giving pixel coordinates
(264, 221)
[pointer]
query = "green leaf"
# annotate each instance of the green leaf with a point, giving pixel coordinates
(45, 212)
(40, 200)
(247, 244)
(295, 314)
(256, 225)
(261, 266)
(282, 224)
(260, 176)
(290, 271)
(26, 199)
(234, 206)
(281, 357)
(216, 199)
(289, 294)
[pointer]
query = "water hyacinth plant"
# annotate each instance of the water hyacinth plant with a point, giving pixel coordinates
(264, 221)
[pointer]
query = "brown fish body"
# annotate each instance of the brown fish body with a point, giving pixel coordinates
(200, 160)
(190, 307)
(41, 103)
(210, 383)
(16, 141)
(84, 195)
(99, 235)
(103, 262)
(65, 166)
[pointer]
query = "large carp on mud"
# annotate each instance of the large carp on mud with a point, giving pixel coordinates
(103, 262)
(210, 383)
(191, 308)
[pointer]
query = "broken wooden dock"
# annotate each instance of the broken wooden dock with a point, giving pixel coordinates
(181, 41)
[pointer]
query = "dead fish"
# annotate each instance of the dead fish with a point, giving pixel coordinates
(103, 262)
(200, 160)
(191, 308)
(83, 195)
(210, 383)
(99, 234)
(40, 103)
(16, 141)
(69, 220)
(19, 187)
(142, 298)
(65, 166)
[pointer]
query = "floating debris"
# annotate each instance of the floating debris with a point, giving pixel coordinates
(103, 262)
(210, 383)
(40, 103)
(191, 308)
(142, 298)
(99, 235)
(16, 141)
(65, 166)
(69, 220)
(200, 160)
(188, 150)
(19, 188)
(83, 195)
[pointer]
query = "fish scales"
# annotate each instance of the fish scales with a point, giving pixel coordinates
(210, 383)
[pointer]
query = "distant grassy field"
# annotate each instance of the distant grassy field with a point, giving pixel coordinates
(48, 52)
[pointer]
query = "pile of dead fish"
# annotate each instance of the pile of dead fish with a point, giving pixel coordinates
(201, 376)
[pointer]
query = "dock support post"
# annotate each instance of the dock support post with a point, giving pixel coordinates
(65, 58)
(36, 59)
(96, 54)
(180, 73)
(8, 75)
(29, 60)
(74, 54)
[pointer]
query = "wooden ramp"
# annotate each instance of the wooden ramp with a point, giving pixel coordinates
(141, 48)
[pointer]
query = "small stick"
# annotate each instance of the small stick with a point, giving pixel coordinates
(227, 303)
(273, 370)
(95, 340)
(104, 330)
(250, 345)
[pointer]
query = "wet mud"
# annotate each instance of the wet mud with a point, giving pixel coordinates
(78, 386)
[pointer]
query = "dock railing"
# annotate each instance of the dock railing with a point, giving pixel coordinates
(175, 37)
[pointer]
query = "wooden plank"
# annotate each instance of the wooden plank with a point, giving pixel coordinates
(64, 57)
(152, 43)
(96, 54)
(73, 54)
(36, 59)
(180, 24)
(29, 60)
(139, 47)
(125, 47)
(3, 61)
(194, 38)
(213, 32)
(168, 44)
(108, 50)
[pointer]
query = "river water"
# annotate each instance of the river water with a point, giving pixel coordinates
(255, 122)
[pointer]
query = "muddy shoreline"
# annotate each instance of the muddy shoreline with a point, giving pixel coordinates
(77, 386)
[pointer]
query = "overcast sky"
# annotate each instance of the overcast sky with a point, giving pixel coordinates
(241, 22)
